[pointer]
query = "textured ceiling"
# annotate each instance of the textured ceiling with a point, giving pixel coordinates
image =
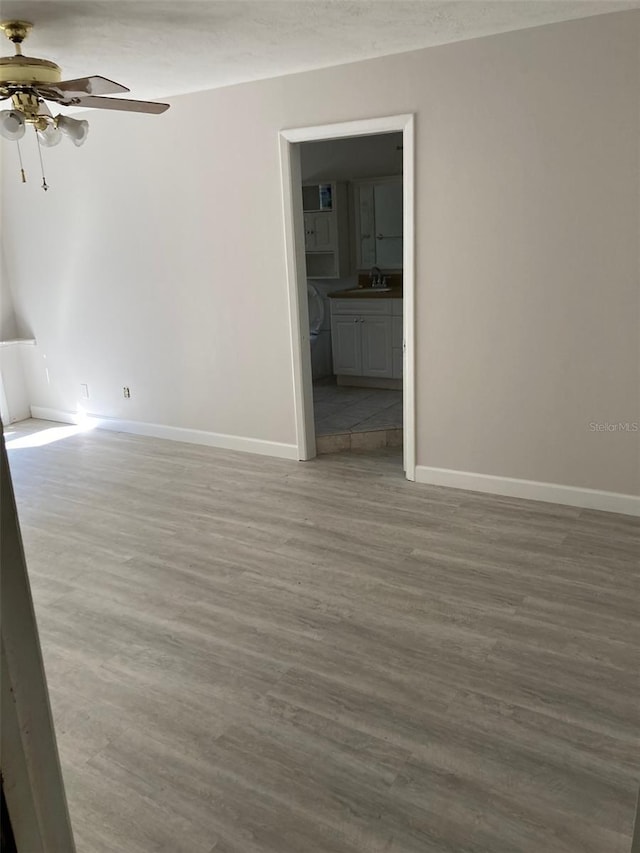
(167, 48)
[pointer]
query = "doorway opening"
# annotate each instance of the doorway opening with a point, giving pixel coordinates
(348, 194)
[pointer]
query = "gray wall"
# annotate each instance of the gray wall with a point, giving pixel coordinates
(166, 269)
(349, 159)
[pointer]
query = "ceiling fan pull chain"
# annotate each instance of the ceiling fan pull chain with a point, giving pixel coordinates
(22, 174)
(45, 185)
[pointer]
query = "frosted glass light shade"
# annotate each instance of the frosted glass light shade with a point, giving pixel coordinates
(76, 130)
(11, 124)
(50, 136)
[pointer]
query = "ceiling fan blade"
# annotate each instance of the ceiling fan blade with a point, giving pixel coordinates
(121, 104)
(43, 109)
(89, 86)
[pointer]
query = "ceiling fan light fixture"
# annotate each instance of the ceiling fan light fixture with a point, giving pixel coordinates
(76, 129)
(49, 136)
(12, 124)
(31, 82)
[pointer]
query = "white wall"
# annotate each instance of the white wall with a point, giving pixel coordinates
(8, 323)
(14, 396)
(164, 245)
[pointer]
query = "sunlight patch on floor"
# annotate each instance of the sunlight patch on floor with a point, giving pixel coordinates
(48, 436)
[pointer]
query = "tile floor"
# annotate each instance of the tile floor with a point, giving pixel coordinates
(343, 409)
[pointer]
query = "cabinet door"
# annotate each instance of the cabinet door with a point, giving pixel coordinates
(320, 232)
(397, 336)
(398, 360)
(376, 347)
(366, 226)
(309, 233)
(346, 343)
(388, 222)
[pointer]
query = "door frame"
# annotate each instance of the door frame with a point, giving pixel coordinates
(31, 775)
(291, 175)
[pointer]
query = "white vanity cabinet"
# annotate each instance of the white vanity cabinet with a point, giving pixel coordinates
(397, 337)
(325, 229)
(378, 214)
(362, 337)
(346, 344)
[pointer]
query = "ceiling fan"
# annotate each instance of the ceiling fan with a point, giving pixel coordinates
(31, 82)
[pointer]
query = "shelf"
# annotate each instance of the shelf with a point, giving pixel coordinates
(321, 265)
(317, 198)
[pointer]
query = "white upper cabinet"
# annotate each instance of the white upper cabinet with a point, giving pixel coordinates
(365, 226)
(320, 232)
(387, 199)
(378, 209)
(325, 229)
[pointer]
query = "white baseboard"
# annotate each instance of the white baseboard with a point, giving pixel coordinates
(530, 489)
(191, 436)
(488, 483)
(42, 413)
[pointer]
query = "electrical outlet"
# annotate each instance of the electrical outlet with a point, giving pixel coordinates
(126, 392)
(84, 391)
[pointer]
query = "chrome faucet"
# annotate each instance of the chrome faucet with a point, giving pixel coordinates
(375, 277)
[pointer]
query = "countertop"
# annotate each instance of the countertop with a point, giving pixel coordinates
(367, 293)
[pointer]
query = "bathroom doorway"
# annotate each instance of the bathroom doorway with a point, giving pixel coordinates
(349, 234)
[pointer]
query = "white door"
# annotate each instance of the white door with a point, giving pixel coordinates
(346, 342)
(376, 347)
(388, 218)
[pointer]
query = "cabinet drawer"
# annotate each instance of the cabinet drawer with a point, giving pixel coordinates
(396, 307)
(397, 362)
(396, 331)
(362, 306)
